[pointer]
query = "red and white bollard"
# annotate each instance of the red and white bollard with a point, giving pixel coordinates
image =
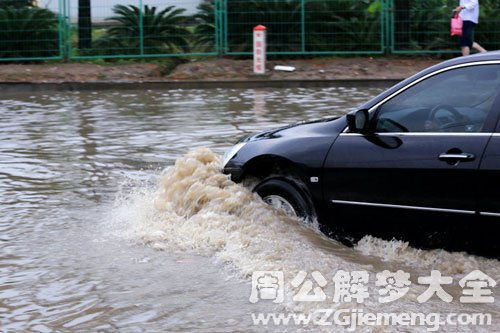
(259, 49)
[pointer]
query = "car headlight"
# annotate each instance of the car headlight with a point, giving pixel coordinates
(231, 152)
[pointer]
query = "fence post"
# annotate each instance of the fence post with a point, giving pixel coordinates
(64, 29)
(141, 29)
(60, 21)
(303, 24)
(389, 31)
(225, 27)
(216, 24)
(219, 23)
(385, 25)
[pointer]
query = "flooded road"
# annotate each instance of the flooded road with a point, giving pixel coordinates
(95, 236)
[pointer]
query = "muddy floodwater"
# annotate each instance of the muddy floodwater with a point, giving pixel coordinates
(101, 230)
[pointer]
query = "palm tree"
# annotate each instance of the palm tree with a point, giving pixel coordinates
(204, 32)
(149, 32)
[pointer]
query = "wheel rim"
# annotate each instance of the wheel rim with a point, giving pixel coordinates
(280, 203)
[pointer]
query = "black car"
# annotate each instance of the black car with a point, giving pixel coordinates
(419, 162)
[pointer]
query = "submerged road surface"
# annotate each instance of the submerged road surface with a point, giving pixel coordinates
(95, 234)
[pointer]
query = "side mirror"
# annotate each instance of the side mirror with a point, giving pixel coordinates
(358, 121)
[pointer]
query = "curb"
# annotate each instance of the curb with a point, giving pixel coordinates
(18, 87)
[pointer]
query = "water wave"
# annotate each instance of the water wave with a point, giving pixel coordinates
(197, 208)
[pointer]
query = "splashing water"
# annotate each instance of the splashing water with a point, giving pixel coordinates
(197, 208)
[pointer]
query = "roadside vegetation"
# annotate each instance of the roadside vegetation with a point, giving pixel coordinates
(294, 27)
(424, 24)
(163, 31)
(27, 31)
(343, 25)
(15, 3)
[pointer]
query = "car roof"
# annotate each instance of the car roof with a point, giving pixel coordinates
(494, 55)
(487, 56)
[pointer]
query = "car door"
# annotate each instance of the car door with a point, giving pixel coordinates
(423, 149)
(489, 194)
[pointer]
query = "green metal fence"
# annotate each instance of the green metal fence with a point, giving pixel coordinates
(29, 32)
(306, 26)
(87, 29)
(145, 28)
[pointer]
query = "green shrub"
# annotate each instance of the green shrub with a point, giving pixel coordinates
(28, 32)
(423, 24)
(163, 31)
(15, 3)
(281, 17)
(331, 25)
(343, 25)
(488, 30)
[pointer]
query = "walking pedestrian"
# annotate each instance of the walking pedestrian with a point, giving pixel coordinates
(469, 12)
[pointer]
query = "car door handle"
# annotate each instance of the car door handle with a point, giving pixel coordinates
(457, 157)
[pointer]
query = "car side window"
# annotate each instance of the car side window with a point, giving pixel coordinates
(457, 100)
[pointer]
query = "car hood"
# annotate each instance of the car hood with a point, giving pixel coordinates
(327, 126)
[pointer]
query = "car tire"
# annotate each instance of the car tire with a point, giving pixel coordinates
(281, 189)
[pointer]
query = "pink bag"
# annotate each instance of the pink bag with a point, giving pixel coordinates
(456, 25)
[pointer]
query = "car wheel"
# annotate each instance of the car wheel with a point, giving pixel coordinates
(283, 195)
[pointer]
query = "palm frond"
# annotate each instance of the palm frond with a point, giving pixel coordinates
(162, 31)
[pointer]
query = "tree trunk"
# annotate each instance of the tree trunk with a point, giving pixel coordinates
(84, 24)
